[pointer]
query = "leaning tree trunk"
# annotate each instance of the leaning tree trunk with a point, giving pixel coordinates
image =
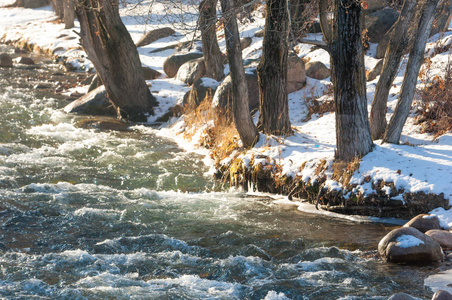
(212, 54)
(353, 137)
(242, 117)
(69, 14)
(394, 52)
(115, 57)
(272, 71)
(398, 119)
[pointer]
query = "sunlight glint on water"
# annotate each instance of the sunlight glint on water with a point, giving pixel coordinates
(89, 214)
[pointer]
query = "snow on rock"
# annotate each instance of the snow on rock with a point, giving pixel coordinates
(408, 241)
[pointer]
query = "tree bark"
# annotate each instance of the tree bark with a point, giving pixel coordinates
(397, 45)
(442, 17)
(398, 119)
(115, 57)
(272, 71)
(69, 14)
(242, 118)
(324, 25)
(58, 7)
(353, 137)
(212, 54)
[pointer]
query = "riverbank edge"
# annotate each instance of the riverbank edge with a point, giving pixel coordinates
(344, 200)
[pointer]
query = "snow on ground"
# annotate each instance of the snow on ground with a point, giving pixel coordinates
(420, 165)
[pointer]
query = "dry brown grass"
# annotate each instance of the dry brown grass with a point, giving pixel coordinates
(220, 136)
(435, 114)
(343, 171)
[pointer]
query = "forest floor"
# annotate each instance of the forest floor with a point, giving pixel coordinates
(391, 181)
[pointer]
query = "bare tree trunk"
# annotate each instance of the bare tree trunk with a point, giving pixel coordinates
(242, 118)
(272, 71)
(211, 50)
(353, 137)
(442, 17)
(298, 17)
(69, 14)
(398, 119)
(115, 57)
(324, 25)
(58, 7)
(396, 48)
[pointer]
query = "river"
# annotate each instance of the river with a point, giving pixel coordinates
(92, 214)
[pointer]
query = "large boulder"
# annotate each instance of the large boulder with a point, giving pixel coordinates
(379, 22)
(173, 62)
(201, 88)
(150, 74)
(191, 71)
(443, 237)
(409, 245)
(93, 103)
(375, 71)
(25, 60)
(223, 94)
(401, 296)
(296, 73)
(317, 70)
(6, 61)
(442, 295)
(424, 223)
(153, 35)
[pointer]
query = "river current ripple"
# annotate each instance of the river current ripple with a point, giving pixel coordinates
(90, 214)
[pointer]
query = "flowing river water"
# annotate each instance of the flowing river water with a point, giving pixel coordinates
(91, 214)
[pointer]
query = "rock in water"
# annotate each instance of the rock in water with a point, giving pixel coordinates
(409, 245)
(443, 237)
(6, 61)
(442, 295)
(93, 103)
(424, 223)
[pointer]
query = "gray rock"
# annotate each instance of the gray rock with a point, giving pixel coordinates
(6, 61)
(173, 62)
(259, 33)
(443, 237)
(26, 60)
(245, 42)
(150, 74)
(153, 35)
(191, 71)
(376, 71)
(424, 223)
(409, 245)
(401, 296)
(201, 88)
(93, 103)
(296, 73)
(223, 94)
(379, 22)
(442, 295)
(317, 70)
